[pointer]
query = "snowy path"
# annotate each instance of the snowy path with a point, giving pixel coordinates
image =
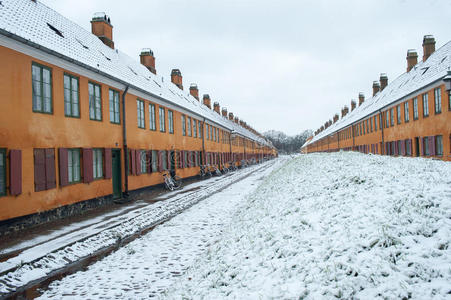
(150, 264)
(337, 225)
(45, 257)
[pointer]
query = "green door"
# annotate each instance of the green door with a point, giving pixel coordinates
(117, 185)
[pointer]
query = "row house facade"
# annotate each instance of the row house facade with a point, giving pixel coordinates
(410, 116)
(80, 120)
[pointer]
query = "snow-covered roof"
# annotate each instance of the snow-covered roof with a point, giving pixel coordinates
(40, 26)
(421, 75)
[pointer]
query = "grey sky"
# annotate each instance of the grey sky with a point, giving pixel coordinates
(284, 65)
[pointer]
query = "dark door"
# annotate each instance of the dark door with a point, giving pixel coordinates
(417, 146)
(116, 170)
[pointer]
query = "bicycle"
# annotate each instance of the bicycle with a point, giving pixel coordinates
(171, 182)
(204, 172)
(215, 170)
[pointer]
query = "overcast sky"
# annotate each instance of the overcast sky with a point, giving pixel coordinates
(283, 65)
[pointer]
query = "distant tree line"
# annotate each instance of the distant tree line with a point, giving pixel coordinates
(287, 144)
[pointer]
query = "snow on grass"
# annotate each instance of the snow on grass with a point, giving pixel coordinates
(342, 225)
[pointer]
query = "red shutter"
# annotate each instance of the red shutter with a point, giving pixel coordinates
(87, 165)
(403, 147)
(138, 162)
(169, 159)
(432, 144)
(422, 146)
(15, 172)
(160, 161)
(108, 163)
(149, 161)
(39, 170)
(50, 168)
(62, 154)
(133, 161)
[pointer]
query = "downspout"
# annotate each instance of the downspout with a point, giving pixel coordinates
(203, 143)
(381, 125)
(124, 141)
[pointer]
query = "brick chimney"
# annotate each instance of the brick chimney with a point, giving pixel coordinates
(345, 110)
(412, 59)
(376, 87)
(194, 91)
(237, 120)
(148, 59)
(353, 104)
(102, 28)
(231, 116)
(428, 46)
(176, 78)
(336, 118)
(361, 98)
(216, 107)
(206, 100)
(224, 112)
(383, 79)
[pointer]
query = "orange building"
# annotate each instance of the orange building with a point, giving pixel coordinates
(411, 116)
(82, 123)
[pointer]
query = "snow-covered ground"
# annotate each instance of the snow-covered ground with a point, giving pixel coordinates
(44, 255)
(152, 263)
(342, 225)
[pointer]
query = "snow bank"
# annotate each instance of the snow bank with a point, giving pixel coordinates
(342, 225)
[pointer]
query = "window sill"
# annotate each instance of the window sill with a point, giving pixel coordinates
(95, 120)
(43, 112)
(73, 117)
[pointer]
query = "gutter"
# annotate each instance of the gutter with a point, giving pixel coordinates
(124, 141)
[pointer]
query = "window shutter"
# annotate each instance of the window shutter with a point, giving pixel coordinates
(403, 147)
(50, 168)
(396, 148)
(133, 161)
(149, 161)
(432, 144)
(160, 161)
(169, 159)
(108, 163)
(39, 170)
(62, 155)
(15, 172)
(138, 162)
(87, 165)
(183, 158)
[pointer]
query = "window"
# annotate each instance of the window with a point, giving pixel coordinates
(425, 105)
(426, 146)
(194, 128)
(71, 102)
(208, 131)
(73, 165)
(439, 145)
(185, 159)
(449, 100)
(95, 102)
(162, 119)
(387, 119)
(183, 125)
(114, 107)
(380, 121)
(211, 132)
(392, 117)
(41, 78)
(140, 113)
(189, 126)
(438, 100)
(415, 108)
(164, 161)
(154, 160)
(143, 162)
(97, 163)
(406, 111)
(214, 133)
(408, 147)
(398, 114)
(375, 123)
(2, 172)
(371, 124)
(399, 148)
(200, 129)
(171, 121)
(152, 122)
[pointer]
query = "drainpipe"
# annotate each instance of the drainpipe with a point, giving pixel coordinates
(382, 132)
(124, 141)
(203, 143)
